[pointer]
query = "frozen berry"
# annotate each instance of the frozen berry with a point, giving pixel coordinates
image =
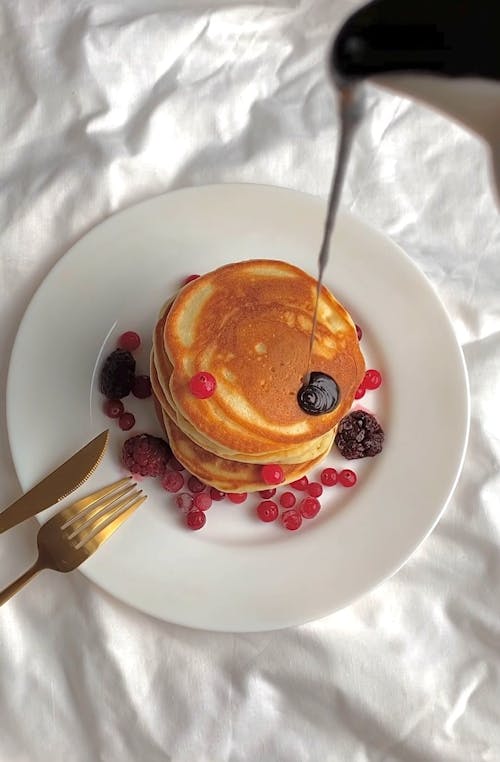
(347, 478)
(126, 421)
(360, 392)
(130, 340)
(300, 484)
(309, 507)
(172, 481)
(145, 455)
(359, 435)
(237, 497)
(314, 489)
(372, 379)
(267, 511)
(141, 388)
(117, 374)
(359, 332)
(216, 494)
(113, 408)
(175, 465)
(190, 278)
(196, 519)
(288, 500)
(202, 501)
(195, 485)
(272, 474)
(291, 519)
(202, 385)
(184, 501)
(267, 493)
(329, 477)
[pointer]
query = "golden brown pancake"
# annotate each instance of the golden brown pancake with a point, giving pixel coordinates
(248, 324)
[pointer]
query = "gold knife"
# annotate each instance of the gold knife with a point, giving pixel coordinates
(57, 485)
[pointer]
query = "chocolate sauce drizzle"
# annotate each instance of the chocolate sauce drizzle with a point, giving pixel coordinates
(320, 395)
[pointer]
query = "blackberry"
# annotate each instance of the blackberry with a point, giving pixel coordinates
(117, 374)
(359, 435)
(146, 455)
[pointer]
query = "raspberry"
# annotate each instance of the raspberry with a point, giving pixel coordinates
(141, 388)
(359, 435)
(189, 279)
(113, 408)
(329, 477)
(315, 489)
(216, 494)
(237, 497)
(130, 340)
(267, 511)
(372, 379)
(267, 493)
(272, 474)
(126, 421)
(195, 485)
(300, 484)
(172, 481)
(291, 519)
(309, 507)
(288, 500)
(202, 385)
(202, 501)
(117, 374)
(347, 478)
(145, 455)
(175, 465)
(184, 501)
(196, 519)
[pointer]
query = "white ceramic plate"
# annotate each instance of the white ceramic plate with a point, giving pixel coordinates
(239, 574)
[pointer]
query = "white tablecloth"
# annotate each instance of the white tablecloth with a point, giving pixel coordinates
(103, 104)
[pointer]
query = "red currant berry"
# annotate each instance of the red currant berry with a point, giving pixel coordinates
(300, 484)
(237, 497)
(272, 474)
(291, 519)
(288, 500)
(309, 507)
(196, 519)
(195, 485)
(113, 408)
(175, 465)
(189, 279)
(372, 379)
(315, 489)
(184, 501)
(126, 421)
(202, 501)
(360, 392)
(216, 494)
(172, 481)
(347, 478)
(359, 332)
(329, 477)
(202, 385)
(130, 340)
(267, 511)
(141, 388)
(267, 493)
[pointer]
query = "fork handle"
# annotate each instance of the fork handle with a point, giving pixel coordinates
(20, 582)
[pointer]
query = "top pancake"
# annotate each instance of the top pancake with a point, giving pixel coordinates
(249, 325)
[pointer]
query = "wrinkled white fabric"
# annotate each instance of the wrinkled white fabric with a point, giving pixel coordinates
(109, 102)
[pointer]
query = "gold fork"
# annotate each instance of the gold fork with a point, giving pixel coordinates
(73, 534)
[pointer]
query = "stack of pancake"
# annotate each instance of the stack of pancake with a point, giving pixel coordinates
(249, 325)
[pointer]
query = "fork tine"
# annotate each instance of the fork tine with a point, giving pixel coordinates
(78, 509)
(90, 515)
(98, 534)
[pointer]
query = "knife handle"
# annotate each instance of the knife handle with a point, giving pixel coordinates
(20, 582)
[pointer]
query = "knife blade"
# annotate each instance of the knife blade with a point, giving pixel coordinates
(57, 485)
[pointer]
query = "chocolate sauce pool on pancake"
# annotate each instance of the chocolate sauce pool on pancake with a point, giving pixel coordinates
(319, 395)
(351, 110)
